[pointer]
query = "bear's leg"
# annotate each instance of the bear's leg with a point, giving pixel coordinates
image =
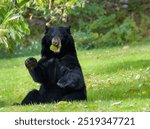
(33, 97)
(71, 79)
(75, 96)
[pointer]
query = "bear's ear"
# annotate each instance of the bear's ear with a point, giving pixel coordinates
(68, 29)
(47, 28)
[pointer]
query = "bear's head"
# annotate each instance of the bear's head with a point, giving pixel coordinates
(57, 42)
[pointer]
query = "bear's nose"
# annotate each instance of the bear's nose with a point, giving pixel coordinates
(56, 41)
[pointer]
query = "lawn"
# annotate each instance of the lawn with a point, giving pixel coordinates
(117, 79)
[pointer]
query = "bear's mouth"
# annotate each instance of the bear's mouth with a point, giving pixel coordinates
(56, 45)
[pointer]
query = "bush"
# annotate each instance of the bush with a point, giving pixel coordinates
(85, 40)
(102, 24)
(126, 33)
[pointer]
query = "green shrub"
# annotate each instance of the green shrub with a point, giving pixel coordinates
(102, 24)
(85, 13)
(143, 27)
(126, 33)
(85, 40)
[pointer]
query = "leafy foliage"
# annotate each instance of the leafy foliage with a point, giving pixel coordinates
(95, 23)
(103, 24)
(124, 34)
(113, 24)
(86, 40)
(13, 26)
(60, 14)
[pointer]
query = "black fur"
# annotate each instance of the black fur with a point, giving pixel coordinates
(59, 74)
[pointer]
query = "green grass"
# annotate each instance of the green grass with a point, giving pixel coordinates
(117, 79)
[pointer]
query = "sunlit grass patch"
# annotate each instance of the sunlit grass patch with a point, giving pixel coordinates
(117, 79)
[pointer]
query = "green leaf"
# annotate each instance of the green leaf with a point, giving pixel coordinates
(23, 2)
(15, 16)
(3, 32)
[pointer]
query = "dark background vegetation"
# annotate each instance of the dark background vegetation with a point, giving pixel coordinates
(95, 23)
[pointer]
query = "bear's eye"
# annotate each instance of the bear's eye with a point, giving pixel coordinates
(52, 35)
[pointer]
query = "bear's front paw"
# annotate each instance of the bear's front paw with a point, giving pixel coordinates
(30, 62)
(62, 83)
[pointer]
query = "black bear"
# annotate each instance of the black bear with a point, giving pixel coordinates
(58, 71)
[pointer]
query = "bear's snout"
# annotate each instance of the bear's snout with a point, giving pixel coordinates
(56, 41)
